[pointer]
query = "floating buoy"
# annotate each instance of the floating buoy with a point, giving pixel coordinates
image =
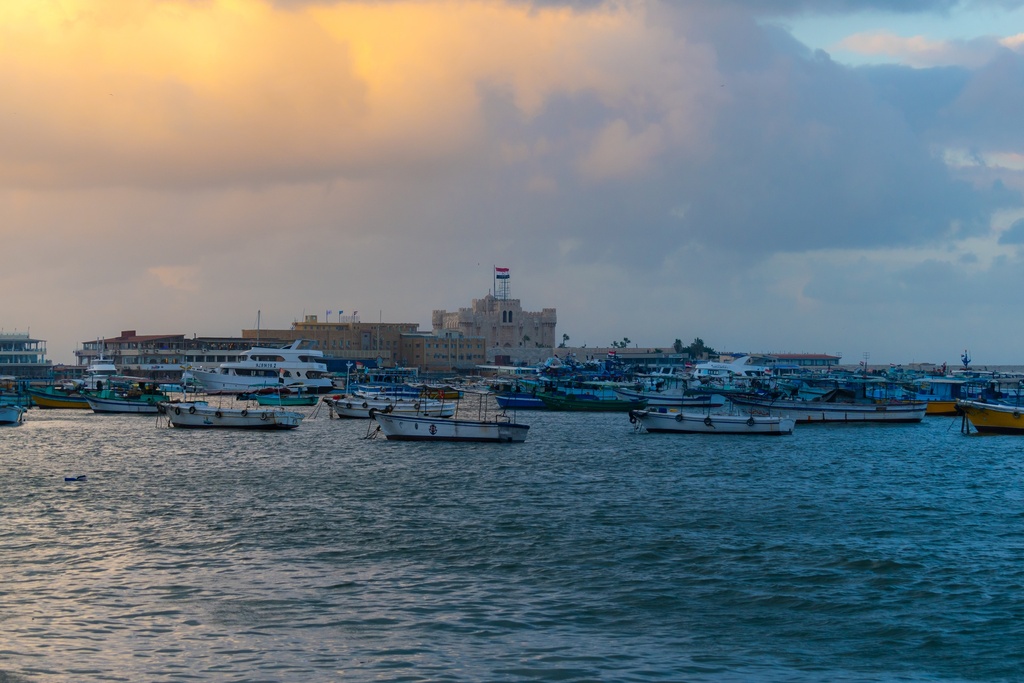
(80, 477)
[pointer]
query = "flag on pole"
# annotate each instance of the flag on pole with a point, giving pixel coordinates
(501, 273)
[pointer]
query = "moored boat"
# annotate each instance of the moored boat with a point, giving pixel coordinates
(59, 396)
(579, 402)
(993, 418)
(684, 422)
(201, 415)
(11, 414)
(519, 400)
(832, 411)
(500, 429)
(261, 367)
(139, 397)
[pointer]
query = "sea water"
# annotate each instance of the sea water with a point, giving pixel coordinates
(589, 553)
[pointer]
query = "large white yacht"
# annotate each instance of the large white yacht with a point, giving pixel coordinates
(263, 366)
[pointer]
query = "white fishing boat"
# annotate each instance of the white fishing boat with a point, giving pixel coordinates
(683, 422)
(828, 410)
(263, 366)
(356, 406)
(202, 415)
(11, 414)
(499, 429)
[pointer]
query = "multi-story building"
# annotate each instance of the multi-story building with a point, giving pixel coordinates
(164, 356)
(23, 356)
(445, 352)
(347, 340)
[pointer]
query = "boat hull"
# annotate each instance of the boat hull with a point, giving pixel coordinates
(989, 418)
(414, 428)
(681, 422)
(942, 408)
(519, 402)
(11, 414)
(204, 416)
(126, 405)
(45, 398)
(287, 400)
(572, 402)
(820, 411)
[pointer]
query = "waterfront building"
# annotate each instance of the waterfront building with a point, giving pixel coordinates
(23, 356)
(500, 320)
(383, 344)
(347, 340)
(448, 351)
(164, 356)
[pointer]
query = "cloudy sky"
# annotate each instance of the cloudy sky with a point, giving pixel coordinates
(784, 175)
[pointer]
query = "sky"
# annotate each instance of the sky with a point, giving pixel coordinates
(832, 176)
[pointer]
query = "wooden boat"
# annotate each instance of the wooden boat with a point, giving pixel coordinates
(683, 422)
(201, 415)
(399, 427)
(519, 401)
(576, 402)
(11, 414)
(840, 404)
(992, 418)
(138, 397)
(58, 397)
(359, 407)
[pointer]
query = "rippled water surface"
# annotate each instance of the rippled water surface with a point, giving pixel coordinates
(856, 553)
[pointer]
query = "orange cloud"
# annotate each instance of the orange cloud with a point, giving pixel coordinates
(177, 92)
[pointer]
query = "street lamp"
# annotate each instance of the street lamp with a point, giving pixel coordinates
(348, 369)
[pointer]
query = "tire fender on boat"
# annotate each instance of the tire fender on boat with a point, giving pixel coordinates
(192, 410)
(265, 416)
(750, 421)
(707, 420)
(244, 412)
(679, 417)
(218, 414)
(348, 405)
(364, 404)
(177, 410)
